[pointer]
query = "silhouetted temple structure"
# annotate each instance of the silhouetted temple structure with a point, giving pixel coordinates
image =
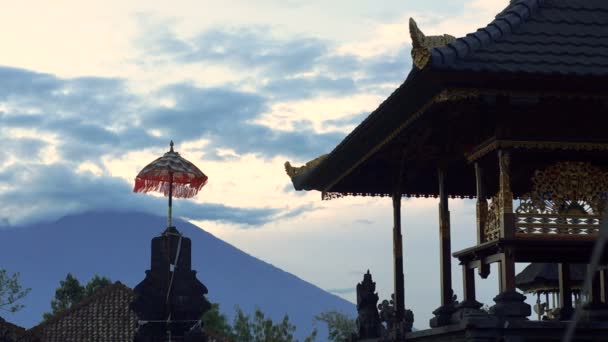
(166, 306)
(170, 301)
(512, 115)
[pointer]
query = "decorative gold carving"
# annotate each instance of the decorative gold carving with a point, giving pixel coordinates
(482, 218)
(492, 228)
(566, 198)
(326, 196)
(294, 171)
(505, 194)
(422, 45)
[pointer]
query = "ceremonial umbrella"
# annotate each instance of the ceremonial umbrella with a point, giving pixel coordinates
(172, 175)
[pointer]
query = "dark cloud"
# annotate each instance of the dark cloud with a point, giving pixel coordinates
(94, 116)
(225, 117)
(307, 87)
(47, 192)
(294, 68)
(253, 47)
(297, 211)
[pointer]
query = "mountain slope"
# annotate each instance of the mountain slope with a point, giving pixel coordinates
(117, 245)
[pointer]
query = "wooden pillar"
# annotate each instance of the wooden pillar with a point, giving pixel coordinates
(398, 258)
(604, 285)
(507, 272)
(507, 223)
(505, 196)
(468, 283)
(482, 204)
(596, 288)
(565, 291)
(445, 249)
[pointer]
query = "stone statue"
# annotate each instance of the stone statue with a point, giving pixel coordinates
(368, 320)
(388, 316)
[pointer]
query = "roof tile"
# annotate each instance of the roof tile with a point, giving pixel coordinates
(535, 36)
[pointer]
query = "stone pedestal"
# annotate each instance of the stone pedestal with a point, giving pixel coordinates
(443, 316)
(511, 305)
(468, 309)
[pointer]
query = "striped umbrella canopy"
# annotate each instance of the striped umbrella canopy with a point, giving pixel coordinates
(172, 175)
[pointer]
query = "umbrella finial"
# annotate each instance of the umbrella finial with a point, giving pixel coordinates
(171, 145)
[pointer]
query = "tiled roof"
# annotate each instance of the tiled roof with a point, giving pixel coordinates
(103, 316)
(535, 36)
(545, 276)
(10, 331)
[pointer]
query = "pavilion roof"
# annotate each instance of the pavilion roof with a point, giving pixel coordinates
(535, 36)
(526, 47)
(544, 277)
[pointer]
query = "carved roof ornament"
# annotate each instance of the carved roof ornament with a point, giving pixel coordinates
(293, 171)
(422, 44)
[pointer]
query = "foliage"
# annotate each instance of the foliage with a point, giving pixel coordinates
(95, 284)
(70, 292)
(215, 321)
(339, 325)
(248, 329)
(11, 292)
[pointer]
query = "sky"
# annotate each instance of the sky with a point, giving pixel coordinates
(92, 92)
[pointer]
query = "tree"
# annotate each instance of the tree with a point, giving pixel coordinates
(340, 326)
(248, 329)
(262, 329)
(95, 284)
(11, 292)
(70, 292)
(216, 322)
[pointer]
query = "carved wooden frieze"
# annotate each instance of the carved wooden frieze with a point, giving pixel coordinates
(566, 198)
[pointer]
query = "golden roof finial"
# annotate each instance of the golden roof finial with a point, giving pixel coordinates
(422, 45)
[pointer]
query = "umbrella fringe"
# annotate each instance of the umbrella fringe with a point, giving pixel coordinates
(180, 190)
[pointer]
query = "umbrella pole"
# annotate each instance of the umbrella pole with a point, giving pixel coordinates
(170, 199)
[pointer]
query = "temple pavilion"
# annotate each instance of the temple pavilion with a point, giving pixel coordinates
(514, 116)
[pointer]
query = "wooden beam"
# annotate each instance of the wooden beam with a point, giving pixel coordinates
(445, 249)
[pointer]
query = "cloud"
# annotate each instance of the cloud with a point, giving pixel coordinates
(349, 120)
(293, 67)
(254, 47)
(307, 87)
(225, 117)
(54, 125)
(51, 126)
(364, 221)
(342, 291)
(48, 192)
